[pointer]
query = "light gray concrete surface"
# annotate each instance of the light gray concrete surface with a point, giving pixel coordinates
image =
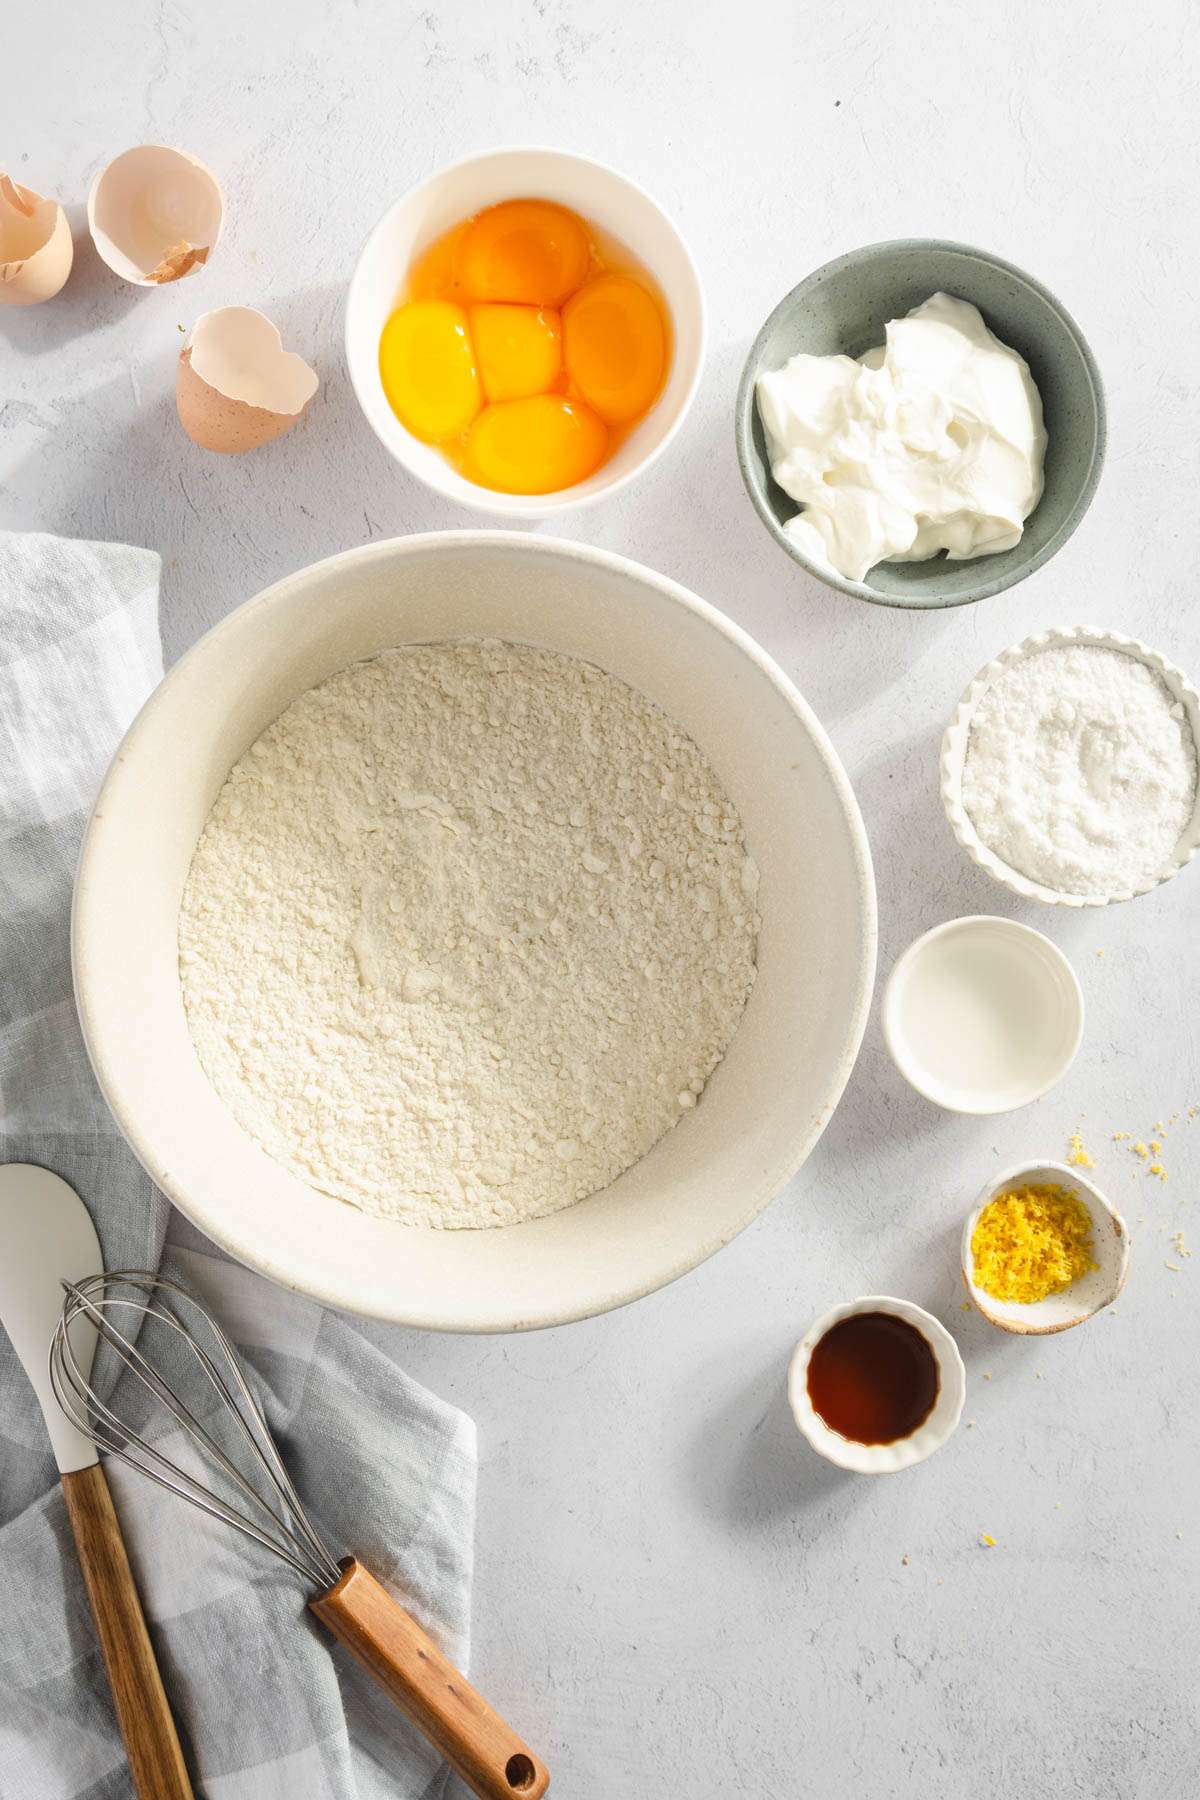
(674, 1598)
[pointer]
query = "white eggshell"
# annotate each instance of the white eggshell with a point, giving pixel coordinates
(36, 250)
(236, 387)
(155, 214)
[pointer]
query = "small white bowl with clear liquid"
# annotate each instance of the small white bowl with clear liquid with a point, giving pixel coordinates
(982, 1015)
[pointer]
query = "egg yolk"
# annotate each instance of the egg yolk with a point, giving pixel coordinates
(527, 251)
(427, 366)
(535, 445)
(614, 346)
(523, 349)
(519, 349)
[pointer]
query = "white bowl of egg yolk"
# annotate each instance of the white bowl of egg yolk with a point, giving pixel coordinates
(525, 331)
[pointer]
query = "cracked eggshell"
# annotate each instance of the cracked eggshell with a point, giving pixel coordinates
(236, 386)
(36, 250)
(155, 214)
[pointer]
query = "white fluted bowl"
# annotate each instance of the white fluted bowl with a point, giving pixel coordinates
(954, 753)
(901, 1453)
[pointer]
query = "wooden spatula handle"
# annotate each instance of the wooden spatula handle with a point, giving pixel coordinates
(143, 1713)
(441, 1703)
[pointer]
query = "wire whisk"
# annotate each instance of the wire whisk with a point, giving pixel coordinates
(113, 1302)
(149, 1322)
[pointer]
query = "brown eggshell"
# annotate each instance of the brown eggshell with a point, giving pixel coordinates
(242, 363)
(216, 422)
(178, 260)
(155, 214)
(36, 251)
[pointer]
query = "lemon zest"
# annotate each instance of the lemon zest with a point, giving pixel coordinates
(1078, 1156)
(1030, 1242)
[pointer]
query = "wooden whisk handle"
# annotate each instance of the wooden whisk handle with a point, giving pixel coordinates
(143, 1713)
(441, 1703)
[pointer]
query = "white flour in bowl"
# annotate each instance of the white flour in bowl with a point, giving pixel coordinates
(468, 929)
(1080, 769)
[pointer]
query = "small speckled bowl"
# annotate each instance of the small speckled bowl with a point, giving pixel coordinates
(881, 1459)
(954, 753)
(1085, 1297)
(845, 306)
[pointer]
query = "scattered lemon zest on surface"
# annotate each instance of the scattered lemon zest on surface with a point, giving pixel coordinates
(1099, 953)
(964, 1306)
(989, 1543)
(1077, 1156)
(1038, 1376)
(1174, 1268)
(1151, 1152)
(1181, 1248)
(904, 1560)
(987, 1374)
(1058, 1506)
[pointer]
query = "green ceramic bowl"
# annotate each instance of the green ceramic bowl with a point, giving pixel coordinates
(845, 307)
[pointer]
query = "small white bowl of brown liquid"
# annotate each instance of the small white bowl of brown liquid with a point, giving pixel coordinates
(877, 1384)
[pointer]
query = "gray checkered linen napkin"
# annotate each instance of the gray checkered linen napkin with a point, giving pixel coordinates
(267, 1710)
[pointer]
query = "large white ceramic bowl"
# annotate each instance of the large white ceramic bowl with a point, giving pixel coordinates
(767, 1103)
(620, 209)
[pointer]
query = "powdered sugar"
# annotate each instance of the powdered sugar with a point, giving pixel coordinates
(469, 928)
(1080, 769)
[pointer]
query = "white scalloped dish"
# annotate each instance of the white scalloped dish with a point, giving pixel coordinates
(954, 750)
(901, 1453)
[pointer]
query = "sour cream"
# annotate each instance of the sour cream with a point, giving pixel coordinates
(933, 441)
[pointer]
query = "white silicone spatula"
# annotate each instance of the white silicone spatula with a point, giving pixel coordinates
(46, 1237)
